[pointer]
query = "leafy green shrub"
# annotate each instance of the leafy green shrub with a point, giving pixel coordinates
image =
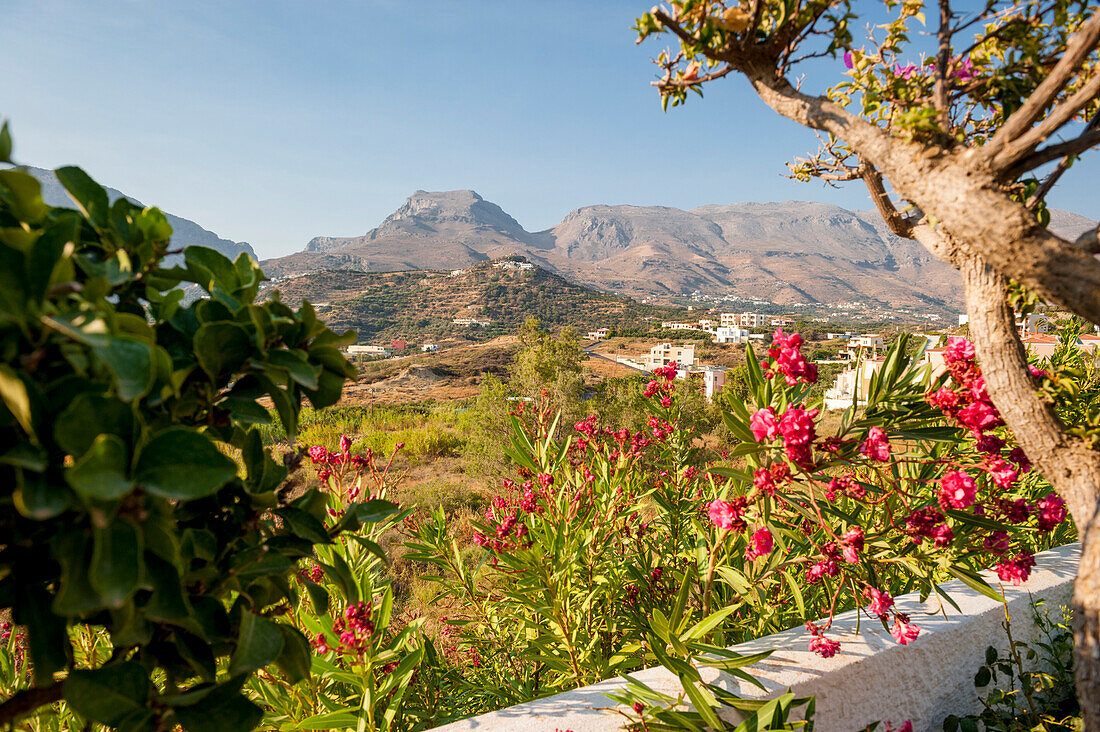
(124, 522)
(1029, 688)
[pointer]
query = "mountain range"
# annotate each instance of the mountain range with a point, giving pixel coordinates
(184, 231)
(786, 252)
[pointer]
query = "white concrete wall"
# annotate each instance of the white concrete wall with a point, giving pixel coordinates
(871, 679)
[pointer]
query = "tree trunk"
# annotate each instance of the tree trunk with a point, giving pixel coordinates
(1071, 466)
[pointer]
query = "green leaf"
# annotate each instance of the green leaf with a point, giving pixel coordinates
(216, 709)
(221, 348)
(100, 473)
(89, 415)
(299, 369)
(116, 568)
(108, 694)
(304, 525)
(182, 464)
(23, 193)
(982, 678)
(259, 643)
(89, 195)
(296, 656)
(5, 143)
(16, 399)
(975, 581)
(130, 360)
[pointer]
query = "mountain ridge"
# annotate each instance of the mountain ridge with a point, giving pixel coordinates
(185, 232)
(784, 251)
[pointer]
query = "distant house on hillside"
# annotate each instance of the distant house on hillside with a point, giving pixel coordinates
(370, 351)
(471, 322)
(752, 320)
(666, 353)
(513, 265)
(731, 334)
(598, 335)
(398, 345)
(852, 384)
(429, 347)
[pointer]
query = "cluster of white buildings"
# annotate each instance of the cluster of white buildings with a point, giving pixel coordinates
(472, 322)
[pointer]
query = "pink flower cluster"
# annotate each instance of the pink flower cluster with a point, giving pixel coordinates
(662, 387)
(760, 544)
(876, 446)
(1016, 570)
(795, 426)
(969, 403)
(627, 444)
(507, 511)
(787, 359)
(355, 630)
(728, 515)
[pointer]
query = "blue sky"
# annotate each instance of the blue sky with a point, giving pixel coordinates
(276, 121)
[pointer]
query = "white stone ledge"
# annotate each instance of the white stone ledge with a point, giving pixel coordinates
(871, 679)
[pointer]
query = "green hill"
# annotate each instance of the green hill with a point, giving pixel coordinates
(422, 305)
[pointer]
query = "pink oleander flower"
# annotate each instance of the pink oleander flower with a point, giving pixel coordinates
(880, 602)
(979, 417)
(762, 479)
(957, 490)
(849, 60)
(1017, 511)
(990, 444)
(824, 647)
(760, 545)
(997, 542)
(1036, 373)
(1016, 570)
(876, 446)
(801, 455)
(764, 425)
(853, 544)
(318, 454)
(1002, 472)
(903, 631)
(958, 349)
(941, 535)
(546, 480)
(1018, 456)
(725, 515)
(907, 726)
(1051, 510)
(345, 444)
(943, 398)
(797, 426)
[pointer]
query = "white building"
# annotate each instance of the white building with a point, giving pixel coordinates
(729, 320)
(863, 346)
(370, 350)
(598, 335)
(843, 391)
(510, 264)
(471, 322)
(666, 353)
(752, 320)
(781, 322)
(732, 334)
(679, 326)
(429, 347)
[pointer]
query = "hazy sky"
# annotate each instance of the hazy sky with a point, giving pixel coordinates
(276, 121)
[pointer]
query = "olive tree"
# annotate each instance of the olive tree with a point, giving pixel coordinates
(137, 501)
(948, 130)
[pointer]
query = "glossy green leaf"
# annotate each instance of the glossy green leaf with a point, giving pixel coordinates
(108, 694)
(100, 473)
(259, 643)
(182, 464)
(116, 568)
